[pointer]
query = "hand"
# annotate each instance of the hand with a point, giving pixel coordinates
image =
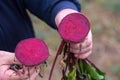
(6, 60)
(82, 49)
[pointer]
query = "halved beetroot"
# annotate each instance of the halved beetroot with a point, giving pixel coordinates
(74, 27)
(31, 51)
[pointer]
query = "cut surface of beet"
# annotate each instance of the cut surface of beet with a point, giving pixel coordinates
(31, 51)
(74, 27)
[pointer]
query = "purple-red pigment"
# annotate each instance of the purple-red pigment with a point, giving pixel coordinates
(74, 27)
(31, 51)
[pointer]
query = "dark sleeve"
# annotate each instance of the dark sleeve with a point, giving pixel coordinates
(46, 10)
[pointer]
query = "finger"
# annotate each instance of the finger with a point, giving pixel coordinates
(12, 75)
(81, 45)
(83, 56)
(7, 74)
(81, 50)
(86, 44)
(34, 75)
(30, 70)
(75, 45)
(8, 57)
(87, 41)
(76, 51)
(3, 69)
(87, 49)
(84, 53)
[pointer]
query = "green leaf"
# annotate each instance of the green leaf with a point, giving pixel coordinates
(81, 67)
(83, 76)
(71, 75)
(66, 78)
(94, 74)
(101, 74)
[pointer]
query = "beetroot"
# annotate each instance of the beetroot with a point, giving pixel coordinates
(31, 51)
(74, 27)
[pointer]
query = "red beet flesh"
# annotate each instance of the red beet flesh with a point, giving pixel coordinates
(31, 51)
(74, 27)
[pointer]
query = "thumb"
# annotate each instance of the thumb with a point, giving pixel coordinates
(6, 73)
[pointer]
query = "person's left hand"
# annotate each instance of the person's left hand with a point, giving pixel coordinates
(6, 73)
(6, 60)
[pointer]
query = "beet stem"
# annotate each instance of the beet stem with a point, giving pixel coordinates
(29, 73)
(58, 53)
(36, 69)
(40, 75)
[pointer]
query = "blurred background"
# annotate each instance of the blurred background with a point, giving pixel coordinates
(104, 16)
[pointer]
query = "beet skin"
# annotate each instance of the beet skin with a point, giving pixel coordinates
(31, 51)
(74, 27)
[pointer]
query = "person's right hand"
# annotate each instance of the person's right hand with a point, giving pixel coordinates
(6, 59)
